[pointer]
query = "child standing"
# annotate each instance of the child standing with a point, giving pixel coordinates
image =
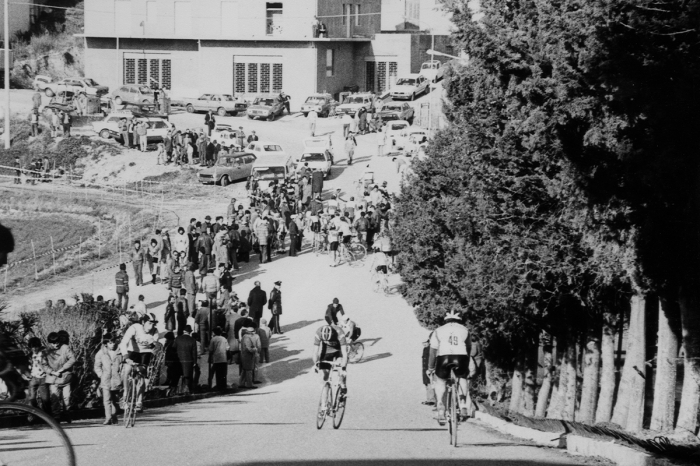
(39, 369)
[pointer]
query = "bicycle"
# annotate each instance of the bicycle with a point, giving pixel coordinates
(330, 404)
(355, 352)
(131, 395)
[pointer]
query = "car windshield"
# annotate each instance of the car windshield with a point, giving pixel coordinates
(315, 100)
(392, 107)
(268, 102)
(313, 157)
(353, 100)
(271, 148)
(268, 173)
(406, 82)
(315, 143)
(145, 90)
(91, 82)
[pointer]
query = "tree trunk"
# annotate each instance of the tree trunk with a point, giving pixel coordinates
(570, 363)
(630, 398)
(665, 385)
(607, 375)
(529, 382)
(517, 387)
(591, 376)
(556, 404)
(690, 321)
(546, 388)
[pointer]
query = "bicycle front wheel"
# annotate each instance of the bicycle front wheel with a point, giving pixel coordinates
(339, 408)
(323, 405)
(43, 441)
(355, 352)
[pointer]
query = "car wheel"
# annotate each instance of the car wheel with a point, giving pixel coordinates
(118, 100)
(224, 181)
(221, 111)
(48, 92)
(105, 134)
(189, 108)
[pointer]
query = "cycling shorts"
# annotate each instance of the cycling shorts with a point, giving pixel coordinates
(328, 358)
(334, 246)
(140, 358)
(460, 363)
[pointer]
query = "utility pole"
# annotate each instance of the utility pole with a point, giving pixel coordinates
(7, 74)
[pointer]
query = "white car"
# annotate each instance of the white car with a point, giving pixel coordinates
(432, 70)
(410, 87)
(396, 132)
(316, 145)
(263, 148)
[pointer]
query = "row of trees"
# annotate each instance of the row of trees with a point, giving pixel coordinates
(563, 203)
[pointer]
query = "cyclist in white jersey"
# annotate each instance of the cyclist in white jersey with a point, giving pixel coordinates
(450, 347)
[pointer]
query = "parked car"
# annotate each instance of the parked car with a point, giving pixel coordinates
(226, 136)
(262, 148)
(222, 104)
(133, 94)
(228, 168)
(316, 145)
(265, 108)
(319, 102)
(108, 127)
(432, 70)
(396, 111)
(410, 87)
(78, 86)
(40, 82)
(354, 102)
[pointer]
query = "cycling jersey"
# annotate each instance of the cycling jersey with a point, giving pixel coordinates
(451, 339)
(336, 341)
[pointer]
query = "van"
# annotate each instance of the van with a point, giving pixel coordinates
(267, 168)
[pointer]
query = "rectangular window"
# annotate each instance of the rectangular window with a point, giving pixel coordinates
(151, 12)
(329, 62)
(122, 17)
(274, 18)
(183, 18)
(357, 15)
(228, 18)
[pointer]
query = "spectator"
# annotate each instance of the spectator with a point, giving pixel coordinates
(218, 358)
(332, 312)
(186, 349)
(275, 307)
(264, 333)
(257, 298)
(108, 363)
(137, 259)
(201, 325)
(60, 361)
(122, 281)
(249, 354)
(38, 371)
(170, 318)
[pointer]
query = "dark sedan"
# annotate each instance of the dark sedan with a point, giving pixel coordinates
(396, 111)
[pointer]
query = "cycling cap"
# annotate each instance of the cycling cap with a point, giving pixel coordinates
(454, 315)
(326, 333)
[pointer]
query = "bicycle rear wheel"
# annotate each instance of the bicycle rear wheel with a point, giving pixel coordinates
(42, 442)
(324, 403)
(339, 408)
(355, 352)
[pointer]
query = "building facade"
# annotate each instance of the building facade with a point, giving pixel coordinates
(246, 47)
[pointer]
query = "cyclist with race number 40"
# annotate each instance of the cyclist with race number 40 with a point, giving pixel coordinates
(331, 345)
(450, 348)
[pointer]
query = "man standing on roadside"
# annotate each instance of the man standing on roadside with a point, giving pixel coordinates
(122, 281)
(256, 300)
(137, 258)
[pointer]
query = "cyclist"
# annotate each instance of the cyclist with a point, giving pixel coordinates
(137, 348)
(331, 345)
(450, 347)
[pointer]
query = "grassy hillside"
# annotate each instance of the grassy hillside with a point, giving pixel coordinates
(50, 48)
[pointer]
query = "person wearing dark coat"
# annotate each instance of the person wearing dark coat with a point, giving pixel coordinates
(293, 237)
(332, 312)
(316, 182)
(274, 304)
(186, 348)
(256, 301)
